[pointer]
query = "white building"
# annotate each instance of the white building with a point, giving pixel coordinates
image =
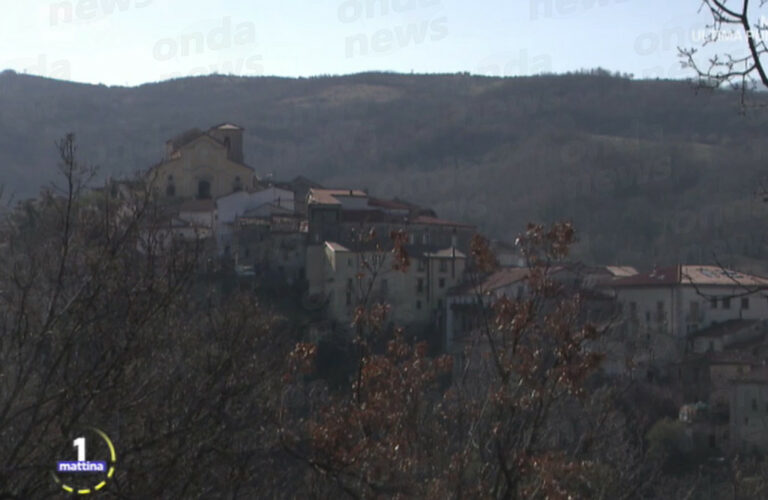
(662, 309)
(263, 203)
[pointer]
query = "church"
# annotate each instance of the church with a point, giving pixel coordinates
(204, 165)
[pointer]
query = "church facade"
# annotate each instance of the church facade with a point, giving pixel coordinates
(204, 165)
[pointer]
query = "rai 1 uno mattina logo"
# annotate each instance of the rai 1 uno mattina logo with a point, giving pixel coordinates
(94, 467)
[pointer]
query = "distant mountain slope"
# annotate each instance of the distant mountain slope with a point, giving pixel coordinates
(650, 171)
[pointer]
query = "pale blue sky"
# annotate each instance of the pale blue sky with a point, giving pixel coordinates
(129, 42)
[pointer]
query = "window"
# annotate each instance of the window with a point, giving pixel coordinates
(349, 261)
(648, 316)
(170, 191)
(420, 285)
(745, 303)
(633, 310)
(418, 304)
(659, 311)
(422, 264)
(203, 189)
(726, 303)
(443, 265)
(754, 404)
(711, 345)
(237, 185)
(440, 303)
(441, 283)
(713, 302)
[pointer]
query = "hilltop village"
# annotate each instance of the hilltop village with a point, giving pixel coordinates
(696, 333)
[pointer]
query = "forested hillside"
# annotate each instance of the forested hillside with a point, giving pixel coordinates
(649, 171)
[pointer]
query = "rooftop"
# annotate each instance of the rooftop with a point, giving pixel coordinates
(498, 279)
(446, 253)
(691, 275)
(622, 271)
(227, 126)
(336, 247)
(330, 196)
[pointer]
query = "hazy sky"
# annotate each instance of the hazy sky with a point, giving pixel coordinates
(128, 42)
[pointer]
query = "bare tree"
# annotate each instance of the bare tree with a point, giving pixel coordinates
(743, 69)
(105, 322)
(523, 422)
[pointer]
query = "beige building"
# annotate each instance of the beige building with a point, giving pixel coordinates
(203, 165)
(342, 278)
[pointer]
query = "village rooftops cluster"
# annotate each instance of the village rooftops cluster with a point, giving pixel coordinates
(700, 328)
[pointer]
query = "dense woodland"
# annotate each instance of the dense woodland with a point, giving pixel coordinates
(649, 171)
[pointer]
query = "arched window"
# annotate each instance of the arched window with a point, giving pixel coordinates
(238, 184)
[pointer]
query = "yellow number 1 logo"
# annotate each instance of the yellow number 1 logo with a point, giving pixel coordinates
(79, 444)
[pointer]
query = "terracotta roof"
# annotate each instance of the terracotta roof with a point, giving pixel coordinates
(499, 279)
(329, 196)
(622, 271)
(696, 275)
(715, 275)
